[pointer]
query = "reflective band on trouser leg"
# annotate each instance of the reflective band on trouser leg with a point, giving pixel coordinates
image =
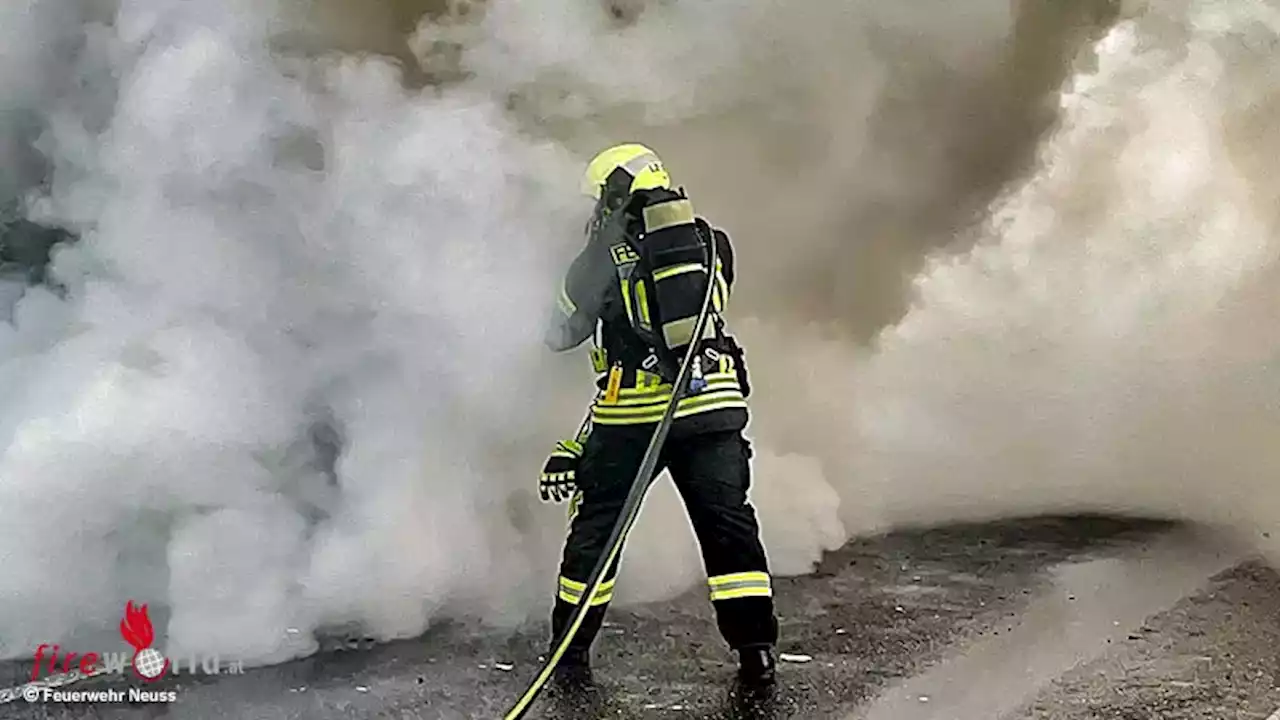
(740, 585)
(571, 591)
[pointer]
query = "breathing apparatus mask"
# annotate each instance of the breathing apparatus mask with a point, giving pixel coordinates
(613, 198)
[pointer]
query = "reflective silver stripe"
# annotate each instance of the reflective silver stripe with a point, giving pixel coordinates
(638, 163)
(566, 304)
(668, 214)
(680, 332)
(740, 585)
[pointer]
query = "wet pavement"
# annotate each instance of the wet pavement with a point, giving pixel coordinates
(880, 618)
(1214, 655)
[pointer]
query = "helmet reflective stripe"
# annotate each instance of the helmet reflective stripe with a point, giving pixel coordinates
(642, 164)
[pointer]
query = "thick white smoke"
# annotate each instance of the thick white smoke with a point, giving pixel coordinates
(266, 248)
(272, 245)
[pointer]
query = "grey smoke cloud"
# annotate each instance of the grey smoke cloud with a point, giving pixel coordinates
(959, 299)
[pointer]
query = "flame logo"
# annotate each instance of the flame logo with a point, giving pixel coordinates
(136, 630)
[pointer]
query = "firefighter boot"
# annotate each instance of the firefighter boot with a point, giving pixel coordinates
(573, 672)
(757, 666)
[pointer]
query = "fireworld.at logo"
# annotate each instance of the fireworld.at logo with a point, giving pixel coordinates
(147, 663)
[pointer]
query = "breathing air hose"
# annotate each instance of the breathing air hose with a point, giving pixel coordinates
(631, 507)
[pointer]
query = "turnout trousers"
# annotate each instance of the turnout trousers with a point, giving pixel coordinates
(712, 473)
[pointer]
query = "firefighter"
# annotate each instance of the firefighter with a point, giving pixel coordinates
(706, 453)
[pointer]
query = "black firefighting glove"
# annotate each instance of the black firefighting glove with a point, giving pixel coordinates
(559, 475)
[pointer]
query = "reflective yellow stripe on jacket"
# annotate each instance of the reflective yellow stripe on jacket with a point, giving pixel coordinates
(645, 405)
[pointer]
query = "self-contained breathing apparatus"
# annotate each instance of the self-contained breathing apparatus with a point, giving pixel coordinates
(660, 250)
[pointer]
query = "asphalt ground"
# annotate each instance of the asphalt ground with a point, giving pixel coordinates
(1062, 618)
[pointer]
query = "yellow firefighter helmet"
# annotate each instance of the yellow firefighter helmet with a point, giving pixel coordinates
(641, 164)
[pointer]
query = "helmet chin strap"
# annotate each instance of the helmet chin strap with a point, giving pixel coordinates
(599, 215)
